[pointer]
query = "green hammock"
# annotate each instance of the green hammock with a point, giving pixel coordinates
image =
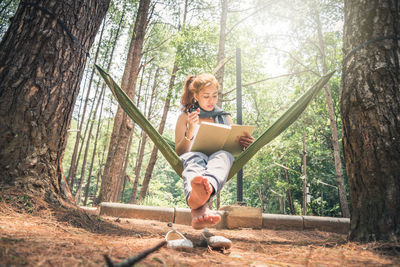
(167, 147)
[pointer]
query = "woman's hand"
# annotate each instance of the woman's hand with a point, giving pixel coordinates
(246, 140)
(192, 120)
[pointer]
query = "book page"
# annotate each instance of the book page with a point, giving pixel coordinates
(210, 137)
(232, 142)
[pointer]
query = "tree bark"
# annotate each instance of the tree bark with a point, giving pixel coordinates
(71, 179)
(221, 49)
(304, 177)
(332, 118)
(138, 168)
(122, 180)
(40, 72)
(370, 111)
(153, 157)
(122, 129)
(143, 141)
(123, 174)
(110, 59)
(220, 57)
(88, 181)
(288, 191)
(75, 159)
(83, 169)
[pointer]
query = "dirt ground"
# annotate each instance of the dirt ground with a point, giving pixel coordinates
(35, 234)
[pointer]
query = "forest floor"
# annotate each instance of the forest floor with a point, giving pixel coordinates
(32, 233)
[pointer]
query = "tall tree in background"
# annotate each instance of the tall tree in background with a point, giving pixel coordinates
(219, 75)
(311, 24)
(154, 152)
(167, 104)
(75, 155)
(143, 141)
(332, 118)
(42, 58)
(371, 117)
(89, 125)
(122, 128)
(113, 41)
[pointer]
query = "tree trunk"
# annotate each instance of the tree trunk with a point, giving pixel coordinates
(100, 116)
(88, 181)
(75, 161)
(221, 49)
(260, 196)
(138, 168)
(332, 117)
(304, 177)
(122, 129)
(122, 180)
(89, 126)
(143, 141)
(101, 160)
(220, 57)
(288, 191)
(153, 157)
(71, 178)
(123, 174)
(148, 174)
(370, 111)
(40, 72)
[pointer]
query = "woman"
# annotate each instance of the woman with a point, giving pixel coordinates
(204, 176)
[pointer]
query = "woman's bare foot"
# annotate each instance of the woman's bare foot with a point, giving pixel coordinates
(201, 192)
(204, 217)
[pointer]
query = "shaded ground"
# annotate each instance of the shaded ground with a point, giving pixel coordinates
(33, 234)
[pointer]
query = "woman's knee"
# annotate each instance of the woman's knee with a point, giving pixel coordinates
(197, 158)
(222, 154)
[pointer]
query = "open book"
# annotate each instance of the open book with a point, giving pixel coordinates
(210, 137)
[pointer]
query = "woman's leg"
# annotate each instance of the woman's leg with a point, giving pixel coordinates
(194, 165)
(198, 189)
(216, 173)
(217, 169)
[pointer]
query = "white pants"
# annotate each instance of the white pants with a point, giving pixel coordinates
(215, 168)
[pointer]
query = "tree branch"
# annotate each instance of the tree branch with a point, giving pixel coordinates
(157, 46)
(240, 21)
(297, 60)
(266, 79)
(135, 259)
(221, 64)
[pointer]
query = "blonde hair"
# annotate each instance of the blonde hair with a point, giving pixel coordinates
(193, 85)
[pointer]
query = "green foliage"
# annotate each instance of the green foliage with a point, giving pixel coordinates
(195, 47)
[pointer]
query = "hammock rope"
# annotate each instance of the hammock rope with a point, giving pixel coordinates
(167, 147)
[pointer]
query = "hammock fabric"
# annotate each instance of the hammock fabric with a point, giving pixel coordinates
(167, 147)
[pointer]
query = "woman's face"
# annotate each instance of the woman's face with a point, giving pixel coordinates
(207, 98)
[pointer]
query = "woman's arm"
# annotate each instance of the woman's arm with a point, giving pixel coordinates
(184, 131)
(229, 119)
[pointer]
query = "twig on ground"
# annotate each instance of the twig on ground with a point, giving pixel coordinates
(135, 259)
